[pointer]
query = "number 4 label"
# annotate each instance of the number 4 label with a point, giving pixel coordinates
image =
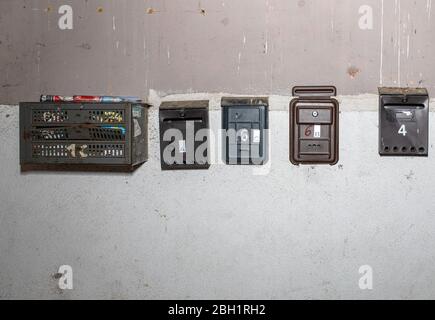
(402, 130)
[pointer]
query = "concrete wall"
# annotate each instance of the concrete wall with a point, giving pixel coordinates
(230, 232)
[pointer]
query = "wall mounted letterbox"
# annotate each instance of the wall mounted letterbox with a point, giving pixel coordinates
(314, 119)
(245, 126)
(403, 122)
(83, 136)
(184, 135)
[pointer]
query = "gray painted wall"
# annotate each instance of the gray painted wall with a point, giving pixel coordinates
(252, 47)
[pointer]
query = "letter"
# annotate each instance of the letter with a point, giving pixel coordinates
(366, 281)
(201, 153)
(172, 147)
(198, 311)
(229, 137)
(190, 142)
(66, 280)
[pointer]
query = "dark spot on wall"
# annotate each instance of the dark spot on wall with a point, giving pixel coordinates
(48, 9)
(353, 72)
(8, 115)
(57, 276)
(85, 46)
(340, 167)
(202, 11)
(410, 175)
(9, 85)
(100, 9)
(225, 21)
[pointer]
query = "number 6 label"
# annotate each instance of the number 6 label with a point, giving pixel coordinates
(402, 130)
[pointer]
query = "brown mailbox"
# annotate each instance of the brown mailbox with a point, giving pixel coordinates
(314, 121)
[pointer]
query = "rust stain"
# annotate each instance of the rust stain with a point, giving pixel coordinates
(353, 72)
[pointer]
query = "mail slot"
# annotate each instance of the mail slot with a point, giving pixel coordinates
(314, 118)
(245, 128)
(403, 122)
(184, 135)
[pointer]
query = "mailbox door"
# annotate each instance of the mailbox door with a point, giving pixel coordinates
(185, 133)
(403, 127)
(314, 131)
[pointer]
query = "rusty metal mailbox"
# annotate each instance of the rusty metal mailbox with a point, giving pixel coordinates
(184, 135)
(245, 124)
(83, 136)
(314, 119)
(403, 121)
